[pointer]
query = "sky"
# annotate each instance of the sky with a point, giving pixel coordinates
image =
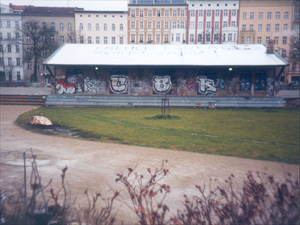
(112, 5)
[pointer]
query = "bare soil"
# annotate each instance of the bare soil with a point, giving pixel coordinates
(94, 165)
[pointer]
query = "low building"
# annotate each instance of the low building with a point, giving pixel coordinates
(177, 70)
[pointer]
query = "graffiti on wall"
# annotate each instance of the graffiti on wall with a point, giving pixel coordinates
(89, 85)
(209, 86)
(64, 88)
(78, 81)
(245, 84)
(270, 89)
(162, 84)
(118, 84)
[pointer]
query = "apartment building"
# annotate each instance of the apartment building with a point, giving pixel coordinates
(101, 27)
(11, 51)
(261, 21)
(213, 22)
(157, 22)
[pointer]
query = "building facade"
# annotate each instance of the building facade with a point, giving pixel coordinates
(11, 51)
(261, 21)
(157, 22)
(101, 27)
(213, 22)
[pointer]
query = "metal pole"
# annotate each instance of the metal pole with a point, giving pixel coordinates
(37, 173)
(25, 186)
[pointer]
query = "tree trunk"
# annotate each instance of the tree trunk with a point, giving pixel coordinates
(34, 78)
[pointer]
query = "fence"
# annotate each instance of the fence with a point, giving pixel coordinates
(16, 170)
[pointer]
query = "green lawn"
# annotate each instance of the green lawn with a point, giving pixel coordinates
(269, 134)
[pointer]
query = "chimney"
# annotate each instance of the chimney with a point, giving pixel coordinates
(270, 46)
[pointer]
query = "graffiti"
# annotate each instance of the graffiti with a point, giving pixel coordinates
(206, 86)
(89, 85)
(162, 84)
(63, 87)
(101, 86)
(270, 89)
(78, 81)
(220, 83)
(191, 85)
(147, 86)
(119, 84)
(245, 85)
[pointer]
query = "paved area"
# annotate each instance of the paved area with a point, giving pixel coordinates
(94, 165)
(25, 90)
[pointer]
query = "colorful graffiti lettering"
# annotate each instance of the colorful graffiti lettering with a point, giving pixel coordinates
(63, 87)
(119, 84)
(191, 85)
(270, 89)
(220, 83)
(89, 85)
(162, 84)
(206, 86)
(78, 81)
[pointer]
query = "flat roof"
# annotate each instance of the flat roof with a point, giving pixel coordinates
(164, 55)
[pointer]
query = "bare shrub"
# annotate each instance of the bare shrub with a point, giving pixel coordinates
(147, 194)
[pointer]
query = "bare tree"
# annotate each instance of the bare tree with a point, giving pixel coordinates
(38, 42)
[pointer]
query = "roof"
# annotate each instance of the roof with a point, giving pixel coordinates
(48, 11)
(164, 55)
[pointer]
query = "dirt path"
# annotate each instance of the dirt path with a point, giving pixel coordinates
(94, 165)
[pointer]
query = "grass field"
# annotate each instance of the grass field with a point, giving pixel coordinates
(268, 134)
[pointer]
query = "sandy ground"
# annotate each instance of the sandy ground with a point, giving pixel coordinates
(94, 165)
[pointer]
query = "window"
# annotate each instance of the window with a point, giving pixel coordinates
(244, 15)
(259, 28)
(200, 25)
(149, 38)
(166, 38)
(80, 26)
(8, 36)
(192, 25)
(225, 24)
(248, 40)
(17, 36)
(177, 37)
(260, 81)
(199, 39)
(89, 39)
(132, 38)
(296, 28)
(294, 67)
(267, 39)
(286, 15)
(17, 48)
(284, 40)
(8, 24)
(44, 25)
(192, 38)
(244, 27)
(70, 40)
(225, 12)
(8, 48)
(27, 39)
(113, 40)
(97, 40)
(245, 83)
(132, 25)
(258, 40)
(285, 26)
(283, 53)
(230, 37)
(182, 13)
(277, 15)
(17, 24)
(276, 27)
(295, 54)
(158, 12)
(200, 13)
(207, 36)
(276, 40)
(105, 40)
(62, 39)
(269, 15)
(18, 62)
(174, 13)
(81, 40)
(251, 27)
(18, 75)
(132, 13)
(149, 26)
(121, 26)
(166, 25)
(105, 26)
(113, 27)
(29, 66)
(61, 26)
(242, 40)
(157, 38)
(44, 53)
(150, 13)
(268, 28)
(208, 25)
(158, 24)
(181, 25)
(252, 15)
(69, 26)
(233, 23)
(141, 13)
(1, 48)
(260, 15)
(192, 13)
(208, 13)
(89, 26)
(1, 36)
(141, 38)
(217, 25)
(52, 38)
(217, 13)
(141, 24)
(121, 40)
(233, 12)
(52, 26)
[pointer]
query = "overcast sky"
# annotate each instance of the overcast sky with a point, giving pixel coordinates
(86, 4)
